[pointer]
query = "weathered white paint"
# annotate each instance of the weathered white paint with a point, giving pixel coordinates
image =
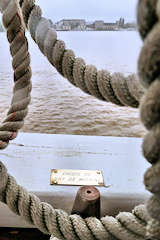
(30, 157)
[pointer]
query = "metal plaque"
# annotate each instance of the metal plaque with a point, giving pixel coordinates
(76, 177)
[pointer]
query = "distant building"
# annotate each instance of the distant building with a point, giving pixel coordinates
(110, 26)
(71, 24)
(99, 25)
(130, 26)
(121, 22)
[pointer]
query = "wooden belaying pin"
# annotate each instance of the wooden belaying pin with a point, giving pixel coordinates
(87, 202)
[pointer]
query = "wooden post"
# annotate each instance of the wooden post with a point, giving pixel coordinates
(87, 202)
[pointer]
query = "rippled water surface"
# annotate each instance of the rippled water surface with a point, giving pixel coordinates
(59, 107)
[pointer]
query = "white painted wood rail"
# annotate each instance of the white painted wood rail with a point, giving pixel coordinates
(30, 158)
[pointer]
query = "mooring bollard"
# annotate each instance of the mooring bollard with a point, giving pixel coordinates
(87, 202)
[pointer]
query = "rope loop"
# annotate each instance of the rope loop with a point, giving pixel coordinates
(13, 23)
(86, 77)
(63, 226)
(116, 88)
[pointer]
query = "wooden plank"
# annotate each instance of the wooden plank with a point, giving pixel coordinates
(30, 158)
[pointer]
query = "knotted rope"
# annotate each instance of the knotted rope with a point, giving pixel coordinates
(149, 74)
(126, 226)
(116, 88)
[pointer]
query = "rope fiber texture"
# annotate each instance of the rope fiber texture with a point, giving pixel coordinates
(22, 72)
(125, 226)
(148, 16)
(116, 88)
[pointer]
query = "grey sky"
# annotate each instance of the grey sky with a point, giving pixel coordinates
(108, 10)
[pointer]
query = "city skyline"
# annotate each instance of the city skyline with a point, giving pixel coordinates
(82, 25)
(95, 25)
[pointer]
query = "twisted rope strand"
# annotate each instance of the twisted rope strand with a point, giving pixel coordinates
(116, 88)
(126, 226)
(22, 72)
(149, 74)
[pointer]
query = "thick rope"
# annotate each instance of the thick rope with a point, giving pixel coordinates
(56, 222)
(149, 74)
(116, 88)
(22, 72)
(126, 226)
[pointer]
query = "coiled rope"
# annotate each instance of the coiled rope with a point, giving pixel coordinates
(116, 88)
(126, 226)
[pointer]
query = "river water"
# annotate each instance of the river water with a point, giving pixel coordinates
(60, 108)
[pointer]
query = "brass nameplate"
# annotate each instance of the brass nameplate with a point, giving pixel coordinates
(76, 177)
